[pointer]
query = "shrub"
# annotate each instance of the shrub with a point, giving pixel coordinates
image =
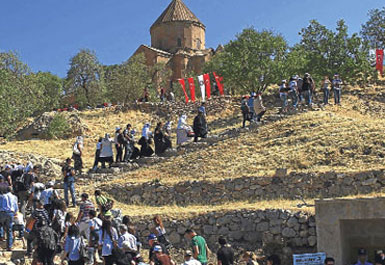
(58, 128)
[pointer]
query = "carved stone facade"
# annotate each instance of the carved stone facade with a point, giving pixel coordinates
(178, 39)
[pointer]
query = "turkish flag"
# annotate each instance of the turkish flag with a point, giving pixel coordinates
(219, 80)
(206, 78)
(192, 88)
(182, 82)
(380, 60)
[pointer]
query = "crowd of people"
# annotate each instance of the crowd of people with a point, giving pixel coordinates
(37, 213)
(302, 90)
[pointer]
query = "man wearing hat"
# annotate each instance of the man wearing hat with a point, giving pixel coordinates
(189, 259)
(160, 257)
(153, 242)
(363, 257)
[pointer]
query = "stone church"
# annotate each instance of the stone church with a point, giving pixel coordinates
(177, 39)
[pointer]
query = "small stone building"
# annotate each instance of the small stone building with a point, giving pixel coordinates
(345, 225)
(178, 39)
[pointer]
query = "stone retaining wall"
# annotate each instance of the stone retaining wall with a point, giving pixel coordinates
(265, 231)
(284, 186)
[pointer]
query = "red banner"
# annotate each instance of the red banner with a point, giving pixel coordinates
(219, 80)
(192, 88)
(380, 60)
(206, 78)
(182, 82)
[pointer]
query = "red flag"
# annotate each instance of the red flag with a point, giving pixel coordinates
(206, 78)
(219, 79)
(380, 60)
(192, 88)
(182, 82)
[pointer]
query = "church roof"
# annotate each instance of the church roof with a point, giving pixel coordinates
(177, 11)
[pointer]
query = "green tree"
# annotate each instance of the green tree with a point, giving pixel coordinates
(252, 62)
(328, 52)
(374, 29)
(128, 81)
(50, 89)
(85, 78)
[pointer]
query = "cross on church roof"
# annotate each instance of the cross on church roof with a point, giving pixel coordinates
(177, 11)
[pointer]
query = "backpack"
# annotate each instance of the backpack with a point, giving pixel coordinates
(244, 107)
(19, 181)
(47, 238)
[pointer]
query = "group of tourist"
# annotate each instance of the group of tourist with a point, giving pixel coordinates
(36, 211)
(303, 89)
(125, 142)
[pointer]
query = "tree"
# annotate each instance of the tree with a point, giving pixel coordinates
(85, 78)
(252, 62)
(128, 81)
(328, 52)
(50, 89)
(374, 29)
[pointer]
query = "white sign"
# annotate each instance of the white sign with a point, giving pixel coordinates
(309, 259)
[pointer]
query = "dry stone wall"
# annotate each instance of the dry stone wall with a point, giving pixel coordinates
(265, 231)
(284, 186)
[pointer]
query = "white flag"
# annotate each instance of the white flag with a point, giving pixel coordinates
(203, 87)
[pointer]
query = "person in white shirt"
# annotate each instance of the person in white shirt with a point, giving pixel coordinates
(106, 154)
(127, 237)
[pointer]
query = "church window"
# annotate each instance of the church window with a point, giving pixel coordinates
(179, 42)
(199, 43)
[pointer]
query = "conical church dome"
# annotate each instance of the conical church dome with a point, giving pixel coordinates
(177, 11)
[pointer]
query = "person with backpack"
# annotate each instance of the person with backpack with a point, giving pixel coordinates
(108, 237)
(104, 204)
(48, 196)
(24, 184)
(73, 247)
(245, 111)
(77, 155)
(95, 225)
(8, 209)
(69, 182)
(337, 86)
(83, 217)
(38, 218)
(46, 242)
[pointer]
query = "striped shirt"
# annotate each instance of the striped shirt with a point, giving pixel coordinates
(85, 208)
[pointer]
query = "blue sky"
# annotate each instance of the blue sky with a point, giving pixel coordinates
(47, 33)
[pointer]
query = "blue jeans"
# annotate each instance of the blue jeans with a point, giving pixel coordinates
(326, 96)
(69, 186)
(6, 219)
(294, 97)
(307, 94)
(337, 96)
(284, 100)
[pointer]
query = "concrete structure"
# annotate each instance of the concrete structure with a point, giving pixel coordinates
(345, 225)
(178, 39)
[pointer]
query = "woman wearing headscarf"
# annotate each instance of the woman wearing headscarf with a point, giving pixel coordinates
(77, 154)
(182, 130)
(106, 154)
(200, 125)
(161, 140)
(145, 141)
